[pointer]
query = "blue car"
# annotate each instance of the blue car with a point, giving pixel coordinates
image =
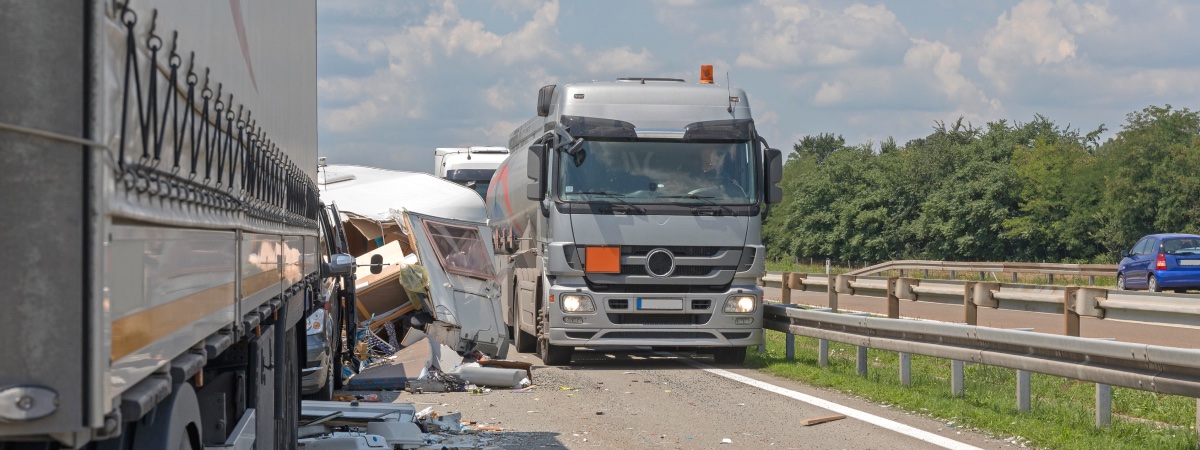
(1161, 262)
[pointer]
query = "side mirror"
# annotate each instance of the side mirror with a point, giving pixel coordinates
(376, 264)
(774, 172)
(534, 171)
(545, 95)
(339, 265)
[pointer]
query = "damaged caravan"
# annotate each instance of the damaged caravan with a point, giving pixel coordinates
(426, 243)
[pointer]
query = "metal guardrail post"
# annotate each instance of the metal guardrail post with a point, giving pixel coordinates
(905, 369)
(1014, 277)
(956, 378)
(893, 302)
(1104, 401)
(789, 338)
(833, 295)
(823, 352)
(1023, 402)
(1103, 405)
(970, 311)
(1070, 316)
(1023, 389)
(862, 361)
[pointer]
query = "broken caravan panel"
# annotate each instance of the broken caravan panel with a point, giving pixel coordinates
(374, 201)
(462, 284)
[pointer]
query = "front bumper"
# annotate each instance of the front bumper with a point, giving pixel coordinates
(316, 370)
(620, 320)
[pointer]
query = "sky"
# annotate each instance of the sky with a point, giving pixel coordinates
(397, 79)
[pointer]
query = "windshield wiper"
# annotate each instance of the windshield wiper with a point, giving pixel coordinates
(616, 197)
(704, 198)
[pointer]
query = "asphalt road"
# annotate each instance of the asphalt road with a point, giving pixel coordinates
(638, 398)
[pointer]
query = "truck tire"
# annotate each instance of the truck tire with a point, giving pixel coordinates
(551, 355)
(524, 342)
(729, 355)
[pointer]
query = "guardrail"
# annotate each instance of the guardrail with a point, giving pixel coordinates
(1070, 301)
(1165, 370)
(1048, 269)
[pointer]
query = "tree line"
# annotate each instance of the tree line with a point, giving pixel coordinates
(1032, 191)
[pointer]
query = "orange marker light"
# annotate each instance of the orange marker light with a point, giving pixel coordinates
(551, 299)
(706, 74)
(603, 260)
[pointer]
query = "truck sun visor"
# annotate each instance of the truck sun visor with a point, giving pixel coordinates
(596, 127)
(731, 129)
(719, 130)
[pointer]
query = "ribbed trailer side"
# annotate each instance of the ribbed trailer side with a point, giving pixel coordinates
(160, 210)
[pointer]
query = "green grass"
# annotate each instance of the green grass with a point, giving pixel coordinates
(1062, 414)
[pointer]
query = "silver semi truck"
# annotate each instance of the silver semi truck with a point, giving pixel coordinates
(629, 214)
(161, 222)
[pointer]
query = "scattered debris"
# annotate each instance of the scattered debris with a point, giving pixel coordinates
(814, 421)
(727, 441)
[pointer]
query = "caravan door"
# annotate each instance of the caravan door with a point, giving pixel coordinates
(464, 296)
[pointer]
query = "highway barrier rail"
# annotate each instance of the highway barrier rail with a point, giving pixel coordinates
(1108, 363)
(1049, 269)
(1165, 370)
(1070, 301)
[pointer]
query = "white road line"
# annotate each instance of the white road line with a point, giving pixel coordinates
(840, 409)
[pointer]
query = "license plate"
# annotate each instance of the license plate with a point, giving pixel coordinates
(1189, 262)
(660, 303)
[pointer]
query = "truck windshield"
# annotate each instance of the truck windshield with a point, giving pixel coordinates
(657, 172)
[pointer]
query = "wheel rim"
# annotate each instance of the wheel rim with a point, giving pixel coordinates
(1120, 282)
(1153, 283)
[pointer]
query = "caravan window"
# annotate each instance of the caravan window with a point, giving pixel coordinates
(459, 249)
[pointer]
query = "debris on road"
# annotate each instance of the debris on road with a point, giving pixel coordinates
(818, 420)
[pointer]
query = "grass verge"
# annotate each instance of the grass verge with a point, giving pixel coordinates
(1062, 414)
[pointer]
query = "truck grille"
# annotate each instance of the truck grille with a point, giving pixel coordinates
(701, 304)
(657, 335)
(659, 319)
(642, 250)
(618, 303)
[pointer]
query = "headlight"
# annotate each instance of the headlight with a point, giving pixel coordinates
(741, 304)
(316, 322)
(576, 303)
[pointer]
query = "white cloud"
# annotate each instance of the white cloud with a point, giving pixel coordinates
(620, 60)
(788, 33)
(1037, 34)
(830, 93)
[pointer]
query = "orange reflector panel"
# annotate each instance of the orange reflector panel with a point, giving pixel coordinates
(551, 299)
(603, 260)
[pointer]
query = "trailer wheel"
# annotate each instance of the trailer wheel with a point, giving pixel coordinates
(173, 424)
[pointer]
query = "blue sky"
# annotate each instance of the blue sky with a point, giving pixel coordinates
(400, 78)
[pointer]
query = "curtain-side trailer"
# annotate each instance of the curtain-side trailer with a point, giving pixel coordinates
(160, 219)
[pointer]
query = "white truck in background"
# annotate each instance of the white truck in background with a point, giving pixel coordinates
(161, 221)
(470, 166)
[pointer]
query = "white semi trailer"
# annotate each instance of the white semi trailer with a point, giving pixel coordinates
(630, 214)
(161, 222)
(472, 167)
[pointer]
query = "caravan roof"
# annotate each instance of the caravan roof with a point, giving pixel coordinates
(377, 193)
